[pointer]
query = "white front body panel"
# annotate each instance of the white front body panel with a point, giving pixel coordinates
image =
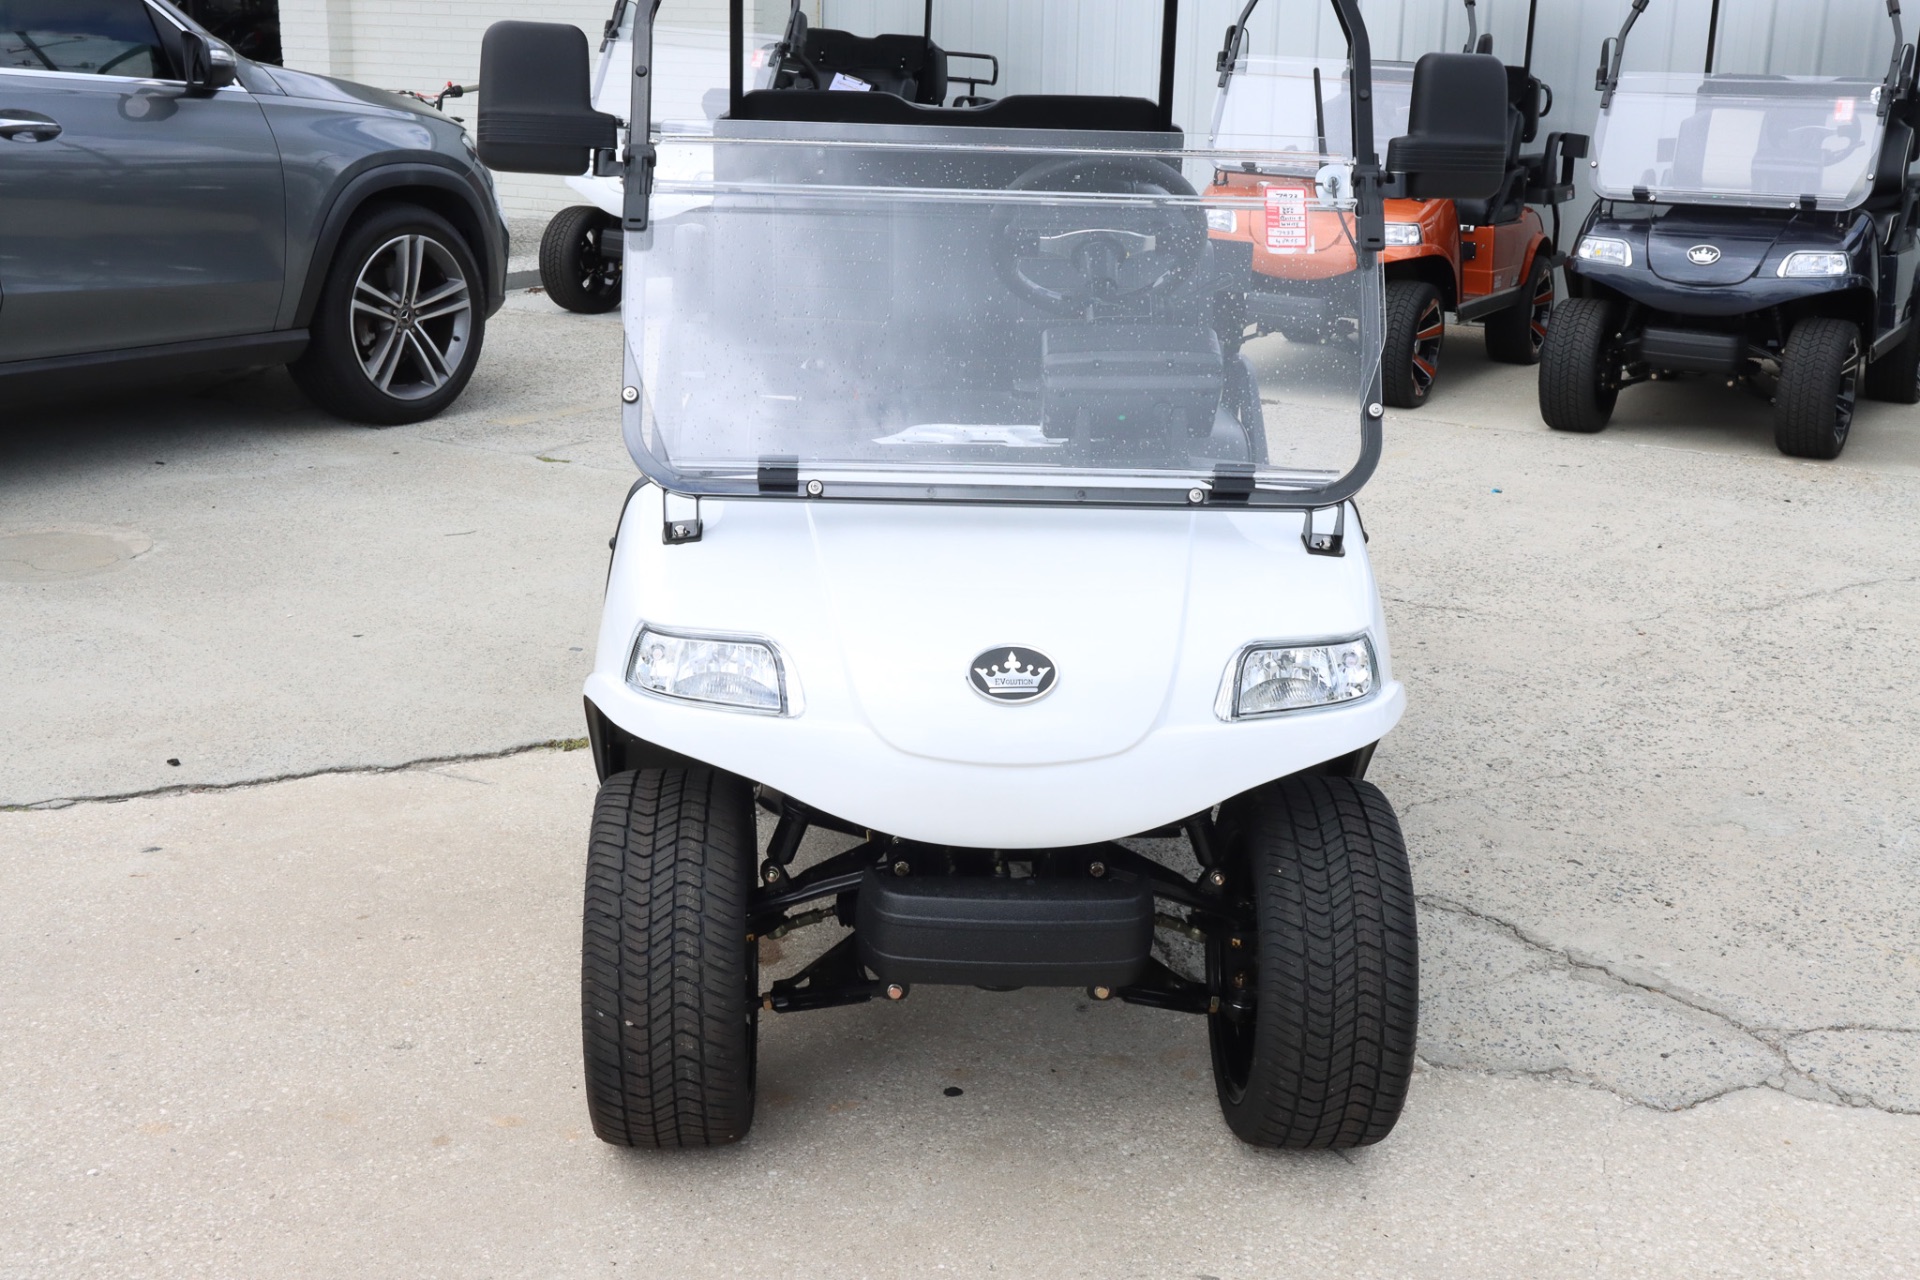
(880, 609)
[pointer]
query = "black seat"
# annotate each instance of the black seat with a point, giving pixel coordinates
(910, 67)
(1017, 111)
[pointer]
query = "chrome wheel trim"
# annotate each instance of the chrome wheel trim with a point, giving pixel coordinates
(411, 318)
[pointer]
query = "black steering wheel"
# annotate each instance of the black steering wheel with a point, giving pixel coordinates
(1066, 257)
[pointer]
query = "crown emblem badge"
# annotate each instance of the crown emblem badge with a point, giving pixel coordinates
(1012, 674)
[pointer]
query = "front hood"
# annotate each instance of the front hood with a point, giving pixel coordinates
(1741, 247)
(919, 598)
(306, 84)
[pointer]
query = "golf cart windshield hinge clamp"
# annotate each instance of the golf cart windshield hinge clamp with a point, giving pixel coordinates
(779, 474)
(682, 524)
(1320, 543)
(1232, 482)
(639, 174)
(1370, 218)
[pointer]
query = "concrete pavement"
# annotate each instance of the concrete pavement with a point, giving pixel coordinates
(1655, 775)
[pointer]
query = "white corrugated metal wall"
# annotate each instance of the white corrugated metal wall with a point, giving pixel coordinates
(1112, 46)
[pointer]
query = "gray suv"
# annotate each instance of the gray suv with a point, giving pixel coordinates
(167, 207)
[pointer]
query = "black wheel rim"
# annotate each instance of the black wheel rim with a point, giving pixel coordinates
(1428, 331)
(598, 274)
(1540, 314)
(1233, 1024)
(1848, 393)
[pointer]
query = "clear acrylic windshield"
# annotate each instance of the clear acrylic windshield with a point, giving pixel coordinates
(955, 311)
(1292, 104)
(1743, 139)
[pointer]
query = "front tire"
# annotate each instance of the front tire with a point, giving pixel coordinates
(400, 321)
(1577, 390)
(1517, 335)
(573, 269)
(1313, 1044)
(1819, 383)
(1416, 330)
(669, 983)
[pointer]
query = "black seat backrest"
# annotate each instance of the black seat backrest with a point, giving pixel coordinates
(1017, 111)
(1890, 167)
(909, 67)
(1523, 95)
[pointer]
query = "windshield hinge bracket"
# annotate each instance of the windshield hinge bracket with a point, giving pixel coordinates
(1319, 543)
(679, 528)
(779, 474)
(1232, 482)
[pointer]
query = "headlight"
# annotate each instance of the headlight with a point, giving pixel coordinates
(1803, 265)
(1222, 220)
(723, 671)
(1615, 253)
(1266, 679)
(1403, 233)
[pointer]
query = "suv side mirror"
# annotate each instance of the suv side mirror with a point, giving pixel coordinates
(1457, 135)
(206, 64)
(536, 100)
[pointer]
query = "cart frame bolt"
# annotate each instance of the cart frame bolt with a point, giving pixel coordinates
(1240, 981)
(1217, 879)
(1097, 869)
(1375, 409)
(895, 991)
(630, 394)
(1196, 496)
(1235, 943)
(901, 868)
(815, 488)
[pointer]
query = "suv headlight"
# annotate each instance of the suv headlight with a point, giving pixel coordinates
(1615, 253)
(739, 672)
(1803, 265)
(1264, 680)
(1403, 233)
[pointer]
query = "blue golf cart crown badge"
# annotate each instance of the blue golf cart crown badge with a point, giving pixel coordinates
(1011, 673)
(1703, 255)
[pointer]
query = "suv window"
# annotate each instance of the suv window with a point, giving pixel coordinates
(98, 37)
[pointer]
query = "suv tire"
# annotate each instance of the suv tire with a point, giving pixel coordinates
(1576, 391)
(1314, 1038)
(574, 272)
(1819, 384)
(669, 982)
(400, 321)
(1516, 335)
(1416, 330)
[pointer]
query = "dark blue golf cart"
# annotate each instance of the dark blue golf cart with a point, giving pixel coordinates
(1757, 228)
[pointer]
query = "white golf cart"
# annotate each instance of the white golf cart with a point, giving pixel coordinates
(974, 525)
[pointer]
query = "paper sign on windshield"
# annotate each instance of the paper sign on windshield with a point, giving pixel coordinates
(1286, 220)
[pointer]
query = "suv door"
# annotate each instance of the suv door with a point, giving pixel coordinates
(133, 212)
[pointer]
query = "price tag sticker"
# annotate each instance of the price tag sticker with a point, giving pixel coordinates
(1286, 220)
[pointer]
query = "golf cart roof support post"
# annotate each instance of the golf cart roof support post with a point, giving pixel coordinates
(1169, 39)
(1612, 50)
(1370, 215)
(1713, 33)
(736, 55)
(1533, 14)
(640, 153)
(1473, 28)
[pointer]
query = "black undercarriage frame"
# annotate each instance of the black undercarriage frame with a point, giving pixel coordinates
(1211, 907)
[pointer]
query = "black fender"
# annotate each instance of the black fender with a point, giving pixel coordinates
(438, 183)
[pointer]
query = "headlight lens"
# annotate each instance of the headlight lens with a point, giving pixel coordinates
(1222, 220)
(721, 671)
(1615, 253)
(1403, 233)
(1268, 679)
(1803, 265)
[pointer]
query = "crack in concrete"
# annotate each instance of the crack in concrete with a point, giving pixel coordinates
(185, 788)
(1781, 603)
(1772, 1041)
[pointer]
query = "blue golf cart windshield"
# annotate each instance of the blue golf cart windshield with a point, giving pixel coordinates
(1740, 139)
(869, 291)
